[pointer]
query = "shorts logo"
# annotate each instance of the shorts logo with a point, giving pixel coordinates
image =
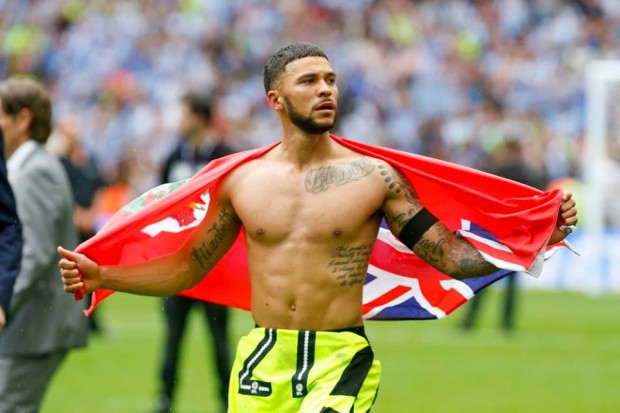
(256, 388)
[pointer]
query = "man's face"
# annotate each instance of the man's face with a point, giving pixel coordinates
(309, 94)
(189, 122)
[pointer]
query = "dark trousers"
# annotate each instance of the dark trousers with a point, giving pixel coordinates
(507, 321)
(24, 380)
(176, 310)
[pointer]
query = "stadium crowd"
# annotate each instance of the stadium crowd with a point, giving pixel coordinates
(447, 78)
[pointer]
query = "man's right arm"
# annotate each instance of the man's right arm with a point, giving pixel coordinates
(163, 276)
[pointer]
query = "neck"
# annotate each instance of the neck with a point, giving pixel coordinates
(197, 138)
(304, 149)
(10, 149)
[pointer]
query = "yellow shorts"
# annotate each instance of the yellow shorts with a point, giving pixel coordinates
(282, 371)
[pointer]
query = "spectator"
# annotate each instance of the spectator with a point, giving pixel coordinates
(45, 323)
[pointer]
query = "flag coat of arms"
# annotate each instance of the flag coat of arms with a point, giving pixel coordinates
(507, 222)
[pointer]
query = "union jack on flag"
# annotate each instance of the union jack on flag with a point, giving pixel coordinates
(508, 222)
(400, 286)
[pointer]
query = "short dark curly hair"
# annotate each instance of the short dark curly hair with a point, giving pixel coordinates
(276, 64)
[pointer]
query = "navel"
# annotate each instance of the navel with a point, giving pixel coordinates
(293, 307)
(337, 232)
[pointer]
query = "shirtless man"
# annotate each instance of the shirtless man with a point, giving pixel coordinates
(302, 205)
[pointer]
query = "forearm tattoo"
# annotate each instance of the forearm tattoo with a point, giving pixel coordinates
(204, 253)
(320, 180)
(349, 264)
(453, 255)
(397, 183)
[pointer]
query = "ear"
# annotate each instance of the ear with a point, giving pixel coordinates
(24, 119)
(274, 100)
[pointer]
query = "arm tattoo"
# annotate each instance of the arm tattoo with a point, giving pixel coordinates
(319, 180)
(459, 259)
(350, 263)
(204, 253)
(397, 184)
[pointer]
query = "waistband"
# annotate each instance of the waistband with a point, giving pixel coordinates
(360, 331)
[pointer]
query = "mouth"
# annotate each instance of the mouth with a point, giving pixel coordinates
(327, 106)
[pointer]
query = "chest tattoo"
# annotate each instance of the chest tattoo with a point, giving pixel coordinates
(321, 179)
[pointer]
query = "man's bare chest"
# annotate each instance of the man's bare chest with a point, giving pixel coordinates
(285, 205)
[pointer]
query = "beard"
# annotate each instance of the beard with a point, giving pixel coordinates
(306, 123)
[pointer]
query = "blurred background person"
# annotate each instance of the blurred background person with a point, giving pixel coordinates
(10, 239)
(85, 179)
(118, 192)
(45, 324)
(199, 144)
(82, 170)
(508, 161)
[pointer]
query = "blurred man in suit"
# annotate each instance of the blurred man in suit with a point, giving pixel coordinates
(10, 239)
(44, 323)
(199, 144)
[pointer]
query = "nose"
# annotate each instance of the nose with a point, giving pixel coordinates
(325, 89)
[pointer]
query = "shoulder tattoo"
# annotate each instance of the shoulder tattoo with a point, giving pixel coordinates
(399, 185)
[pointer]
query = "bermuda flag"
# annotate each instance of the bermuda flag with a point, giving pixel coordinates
(508, 222)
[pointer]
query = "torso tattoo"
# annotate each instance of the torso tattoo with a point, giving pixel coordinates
(349, 264)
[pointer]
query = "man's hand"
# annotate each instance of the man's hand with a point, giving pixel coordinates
(567, 218)
(78, 272)
(2, 319)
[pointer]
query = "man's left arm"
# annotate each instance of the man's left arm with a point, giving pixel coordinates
(432, 240)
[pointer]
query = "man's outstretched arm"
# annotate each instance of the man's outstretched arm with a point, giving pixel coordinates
(433, 241)
(163, 276)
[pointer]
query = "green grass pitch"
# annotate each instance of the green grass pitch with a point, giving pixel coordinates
(564, 356)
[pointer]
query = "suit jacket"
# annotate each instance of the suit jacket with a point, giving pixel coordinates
(10, 236)
(44, 318)
(186, 160)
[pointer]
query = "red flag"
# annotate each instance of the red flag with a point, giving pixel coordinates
(508, 222)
